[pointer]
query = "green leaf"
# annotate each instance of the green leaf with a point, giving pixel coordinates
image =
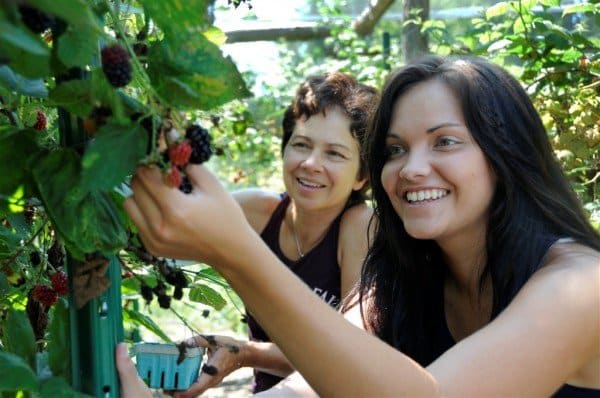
(74, 96)
(113, 155)
(76, 48)
(18, 336)
(145, 321)
(58, 336)
(194, 73)
(16, 148)
(497, 9)
(58, 387)
(74, 12)
(581, 8)
(189, 14)
(19, 84)
(28, 54)
(88, 221)
(16, 374)
(207, 295)
(550, 3)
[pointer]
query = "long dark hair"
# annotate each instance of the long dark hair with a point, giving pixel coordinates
(337, 89)
(533, 204)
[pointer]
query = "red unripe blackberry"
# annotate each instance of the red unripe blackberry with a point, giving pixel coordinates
(179, 153)
(173, 178)
(199, 139)
(40, 121)
(36, 20)
(116, 65)
(45, 295)
(60, 283)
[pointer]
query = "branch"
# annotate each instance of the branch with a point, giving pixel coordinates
(366, 21)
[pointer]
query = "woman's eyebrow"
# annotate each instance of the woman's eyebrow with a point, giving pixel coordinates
(447, 124)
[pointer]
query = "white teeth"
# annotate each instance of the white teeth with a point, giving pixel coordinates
(427, 194)
(308, 184)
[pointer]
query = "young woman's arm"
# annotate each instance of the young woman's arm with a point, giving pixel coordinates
(548, 333)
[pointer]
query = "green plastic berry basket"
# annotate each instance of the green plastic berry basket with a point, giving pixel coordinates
(156, 364)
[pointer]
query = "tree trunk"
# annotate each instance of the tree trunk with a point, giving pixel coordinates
(414, 44)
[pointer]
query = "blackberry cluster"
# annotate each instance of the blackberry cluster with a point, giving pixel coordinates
(164, 300)
(36, 20)
(116, 65)
(200, 141)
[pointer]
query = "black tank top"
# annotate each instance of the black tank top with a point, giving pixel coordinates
(319, 269)
(444, 341)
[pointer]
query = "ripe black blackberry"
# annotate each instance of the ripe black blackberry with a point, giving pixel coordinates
(200, 141)
(147, 293)
(34, 258)
(36, 20)
(56, 255)
(116, 65)
(178, 293)
(164, 301)
(186, 185)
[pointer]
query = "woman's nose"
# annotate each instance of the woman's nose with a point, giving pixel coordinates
(313, 161)
(417, 165)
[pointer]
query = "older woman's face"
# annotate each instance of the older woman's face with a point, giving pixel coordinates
(435, 174)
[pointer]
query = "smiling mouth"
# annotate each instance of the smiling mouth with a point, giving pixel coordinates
(426, 195)
(309, 184)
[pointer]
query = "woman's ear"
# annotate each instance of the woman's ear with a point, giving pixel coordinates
(359, 184)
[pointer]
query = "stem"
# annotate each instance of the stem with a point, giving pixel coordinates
(18, 253)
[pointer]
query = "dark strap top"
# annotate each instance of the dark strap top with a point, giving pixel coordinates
(319, 269)
(445, 340)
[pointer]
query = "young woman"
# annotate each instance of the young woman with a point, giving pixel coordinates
(483, 275)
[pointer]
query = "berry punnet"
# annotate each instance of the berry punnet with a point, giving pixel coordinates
(36, 20)
(179, 153)
(60, 283)
(40, 121)
(45, 295)
(116, 65)
(200, 141)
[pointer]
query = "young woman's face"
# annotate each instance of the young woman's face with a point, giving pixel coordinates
(321, 161)
(435, 175)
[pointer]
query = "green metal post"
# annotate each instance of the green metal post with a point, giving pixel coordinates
(96, 328)
(386, 50)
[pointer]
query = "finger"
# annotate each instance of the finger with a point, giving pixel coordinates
(203, 179)
(132, 385)
(204, 341)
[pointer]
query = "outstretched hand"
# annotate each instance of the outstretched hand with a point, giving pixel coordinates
(224, 357)
(132, 386)
(201, 225)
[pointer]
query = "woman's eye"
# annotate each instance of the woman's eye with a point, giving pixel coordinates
(299, 145)
(336, 154)
(394, 150)
(447, 141)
